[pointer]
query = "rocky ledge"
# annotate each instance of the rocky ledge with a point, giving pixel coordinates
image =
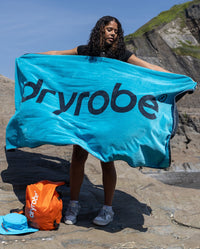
(149, 214)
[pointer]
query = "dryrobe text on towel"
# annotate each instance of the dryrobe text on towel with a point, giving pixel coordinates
(64, 105)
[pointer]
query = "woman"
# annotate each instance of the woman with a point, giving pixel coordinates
(106, 40)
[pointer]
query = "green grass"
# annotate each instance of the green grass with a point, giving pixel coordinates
(188, 50)
(163, 18)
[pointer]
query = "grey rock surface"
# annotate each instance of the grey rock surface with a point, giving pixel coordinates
(174, 45)
(148, 213)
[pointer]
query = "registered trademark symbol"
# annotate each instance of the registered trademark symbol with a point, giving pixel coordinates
(162, 98)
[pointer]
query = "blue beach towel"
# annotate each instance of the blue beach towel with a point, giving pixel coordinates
(114, 110)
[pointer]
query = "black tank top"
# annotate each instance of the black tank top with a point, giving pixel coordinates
(83, 50)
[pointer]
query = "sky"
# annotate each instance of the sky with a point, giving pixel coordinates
(32, 26)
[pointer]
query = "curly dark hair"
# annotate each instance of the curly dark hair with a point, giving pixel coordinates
(96, 44)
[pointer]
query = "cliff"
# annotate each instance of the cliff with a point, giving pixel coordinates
(172, 40)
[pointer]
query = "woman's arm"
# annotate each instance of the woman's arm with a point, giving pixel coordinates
(63, 52)
(139, 62)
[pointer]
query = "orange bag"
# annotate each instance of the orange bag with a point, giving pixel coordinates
(43, 207)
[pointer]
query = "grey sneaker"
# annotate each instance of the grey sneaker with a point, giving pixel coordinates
(104, 217)
(71, 213)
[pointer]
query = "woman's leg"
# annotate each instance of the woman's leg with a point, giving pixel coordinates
(109, 181)
(79, 158)
(106, 214)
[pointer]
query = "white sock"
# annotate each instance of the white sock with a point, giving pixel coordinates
(107, 207)
(73, 202)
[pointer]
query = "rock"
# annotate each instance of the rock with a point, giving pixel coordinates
(160, 42)
(173, 44)
(148, 213)
(188, 218)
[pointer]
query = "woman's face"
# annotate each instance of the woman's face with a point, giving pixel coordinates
(111, 32)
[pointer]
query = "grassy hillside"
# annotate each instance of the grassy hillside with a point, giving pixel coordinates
(188, 50)
(163, 18)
